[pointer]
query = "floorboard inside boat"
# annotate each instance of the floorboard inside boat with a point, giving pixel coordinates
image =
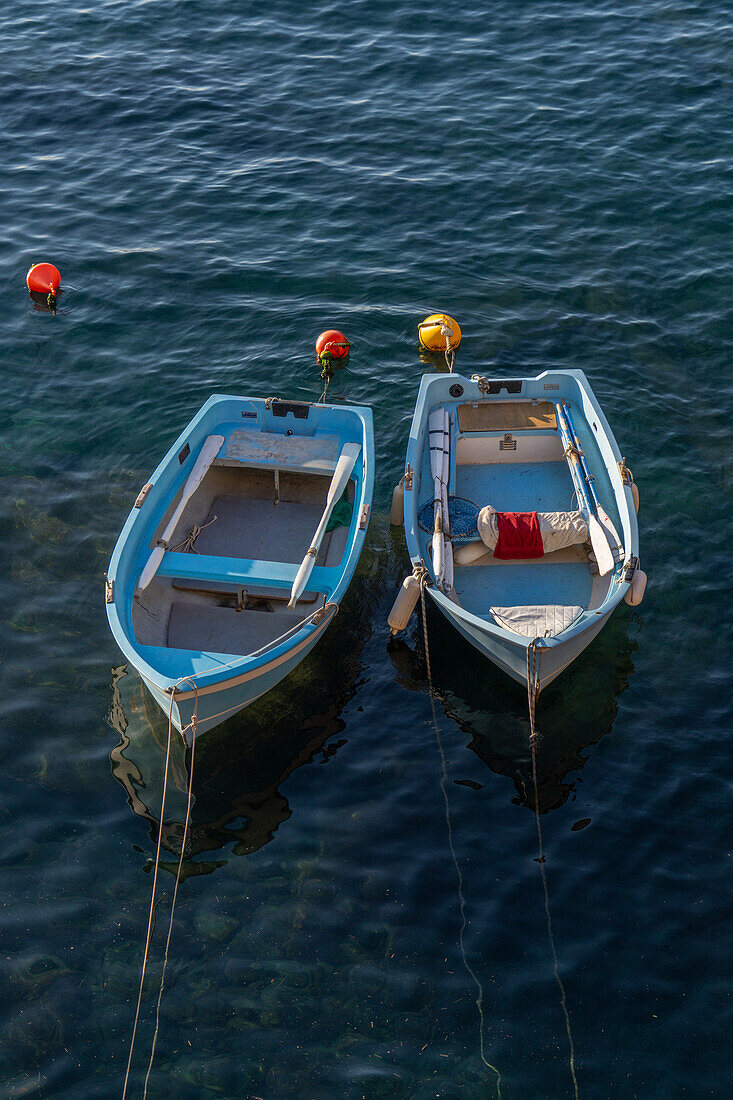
(510, 584)
(517, 487)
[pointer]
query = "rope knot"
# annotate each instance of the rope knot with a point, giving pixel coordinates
(422, 574)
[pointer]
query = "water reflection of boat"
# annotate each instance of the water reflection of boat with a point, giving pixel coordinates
(237, 773)
(492, 710)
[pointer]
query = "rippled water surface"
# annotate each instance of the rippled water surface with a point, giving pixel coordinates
(218, 182)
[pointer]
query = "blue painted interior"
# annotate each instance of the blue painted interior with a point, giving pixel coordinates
(512, 584)
(223, 414)
(518, 487)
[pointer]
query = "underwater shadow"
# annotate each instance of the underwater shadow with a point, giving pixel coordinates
(240, 765)
(574, 712)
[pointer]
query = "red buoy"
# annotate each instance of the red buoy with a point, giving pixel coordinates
(43, 279)
(331, 344)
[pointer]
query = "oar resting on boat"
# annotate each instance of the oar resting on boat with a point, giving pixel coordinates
(339, 481)
(209, 451)
(603, 516)
(598, 539)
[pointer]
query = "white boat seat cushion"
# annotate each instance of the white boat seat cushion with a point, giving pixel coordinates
(537, 620)
(558, 529)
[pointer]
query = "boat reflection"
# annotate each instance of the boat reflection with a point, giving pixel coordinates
(239, 767)
(573, 713)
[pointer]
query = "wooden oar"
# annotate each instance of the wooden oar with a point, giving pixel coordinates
(436, 439)
(603, 516)
(445, 478)
(341, 475)
(209, 451)
(598, 539)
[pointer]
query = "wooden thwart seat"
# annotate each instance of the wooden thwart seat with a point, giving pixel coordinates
(506, 416)
(243, 571)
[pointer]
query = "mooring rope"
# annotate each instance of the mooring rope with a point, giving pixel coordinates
(534, 660)
(443, 786)
(193, 726)
(153, 902)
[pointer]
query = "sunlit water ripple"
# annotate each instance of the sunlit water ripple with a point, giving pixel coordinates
(219, 182)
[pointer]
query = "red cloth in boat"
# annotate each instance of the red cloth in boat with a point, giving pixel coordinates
(519, 536)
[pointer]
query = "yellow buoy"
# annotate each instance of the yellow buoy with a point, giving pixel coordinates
(436, 329)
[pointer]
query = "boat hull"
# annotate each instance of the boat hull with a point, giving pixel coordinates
(213, 705)
(511, 656)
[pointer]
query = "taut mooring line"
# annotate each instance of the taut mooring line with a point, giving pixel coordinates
(152, 907)
(533, 676)
(193, 727)
(153, 903)
(461, 899)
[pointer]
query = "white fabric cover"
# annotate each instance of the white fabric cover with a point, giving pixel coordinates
(537, 620)
(558, 529)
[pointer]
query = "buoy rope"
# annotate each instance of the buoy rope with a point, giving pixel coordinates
(193, 726)
(422, 574)
(534, 659)
(326, 376)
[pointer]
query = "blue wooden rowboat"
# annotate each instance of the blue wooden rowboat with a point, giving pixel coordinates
(520, 445)
(213, 592)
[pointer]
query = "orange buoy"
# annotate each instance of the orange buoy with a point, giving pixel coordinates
(43, 279)
(438, 328)
(330, 345)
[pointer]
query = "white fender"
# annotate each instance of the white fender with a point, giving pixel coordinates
(404, 604)
(635, 592)
(397, 514)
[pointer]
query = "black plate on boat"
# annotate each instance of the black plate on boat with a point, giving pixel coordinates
(282, 408)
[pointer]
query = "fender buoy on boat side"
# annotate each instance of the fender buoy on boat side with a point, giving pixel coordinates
(397, 514)
(635, 592)
(404, 604)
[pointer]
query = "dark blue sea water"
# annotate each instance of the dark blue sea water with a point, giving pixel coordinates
(218, 182)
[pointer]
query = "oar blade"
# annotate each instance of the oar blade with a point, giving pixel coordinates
(617, 549)
(601, 549)
(151, 567)
(347, 460)
(209, 451)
